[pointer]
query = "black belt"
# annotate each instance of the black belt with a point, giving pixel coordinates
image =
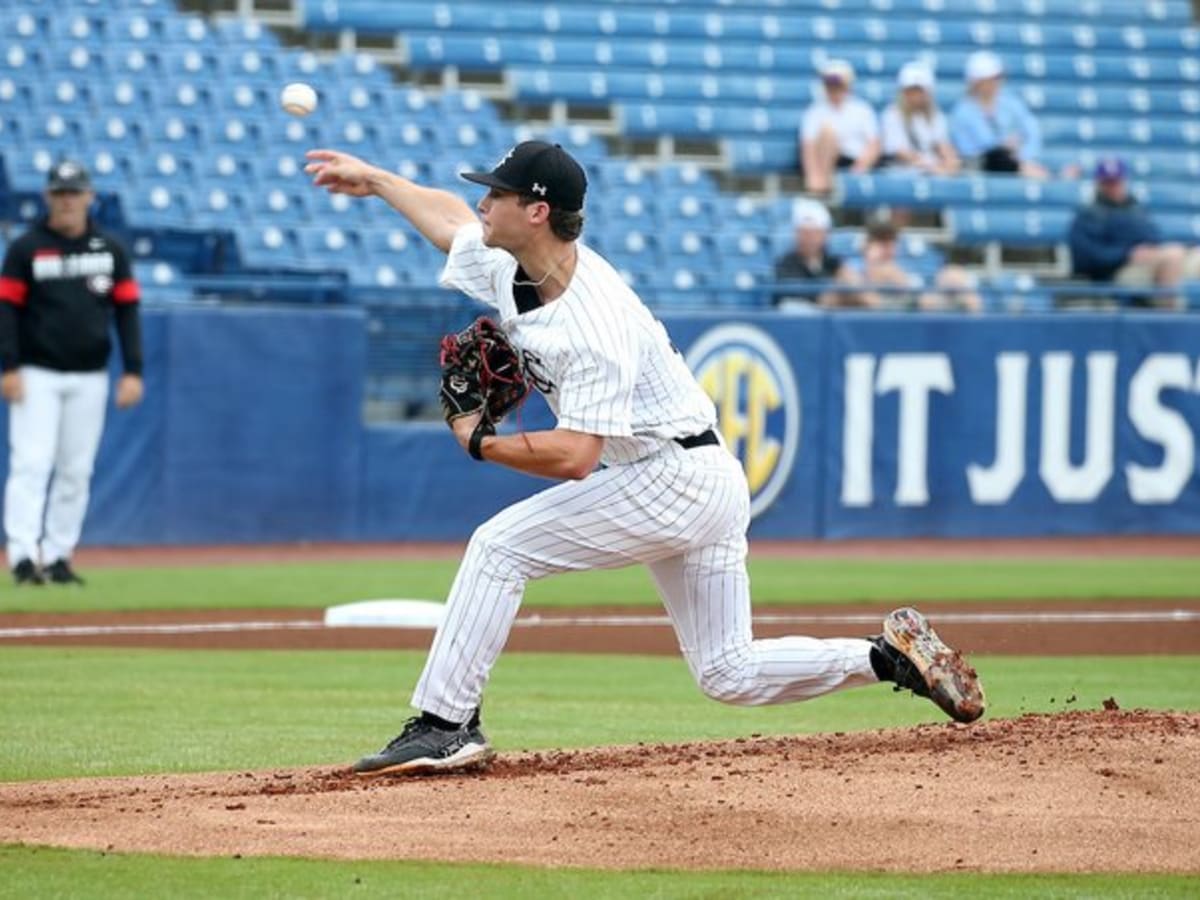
(703, 439)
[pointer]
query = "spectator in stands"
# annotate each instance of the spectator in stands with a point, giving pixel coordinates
(915, 133)
(812, 261)
(881, 267)
(1115, 239)
(839, 132)
(992, 128)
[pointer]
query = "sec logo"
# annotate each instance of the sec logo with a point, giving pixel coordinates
(758, 405)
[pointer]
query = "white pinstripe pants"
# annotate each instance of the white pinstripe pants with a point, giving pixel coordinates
(682, 512)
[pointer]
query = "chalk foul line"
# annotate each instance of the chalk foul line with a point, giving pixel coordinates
(535, 620)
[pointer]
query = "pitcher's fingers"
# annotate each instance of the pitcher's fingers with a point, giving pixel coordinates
(321, 153)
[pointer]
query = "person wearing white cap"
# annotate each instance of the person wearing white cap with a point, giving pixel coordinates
(915, 133)
(993, 128)
(810, 260)
(839, 131)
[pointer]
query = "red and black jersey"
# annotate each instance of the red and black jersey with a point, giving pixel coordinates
(58, 297)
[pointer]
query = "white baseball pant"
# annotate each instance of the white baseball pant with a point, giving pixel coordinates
(682, 512)
(55, 430)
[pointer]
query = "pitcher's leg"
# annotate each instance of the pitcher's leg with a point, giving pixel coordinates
(613, 518)
(707, 594)
(480, 610)
(80, 427)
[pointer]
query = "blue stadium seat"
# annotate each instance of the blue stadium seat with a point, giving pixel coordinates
(248, 64)
(219, 206)
(158, 204)
(1009, 227)
(239, 97)
(123, 95)
(132, 60)
(160, 166)
(694, 250)
(161, 281)
(744, 252)
(185, 30)
(187, 63)
(1179, 226)
(307, 66)
(269, 247)
(765, 154)
(245, 33)
(278, 204)
(330, 246)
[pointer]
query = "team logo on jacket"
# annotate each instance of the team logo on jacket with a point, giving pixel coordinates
(758, 405)
(99, 284)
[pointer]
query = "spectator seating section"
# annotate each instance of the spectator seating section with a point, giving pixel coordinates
(178, 119)
(1103, 76)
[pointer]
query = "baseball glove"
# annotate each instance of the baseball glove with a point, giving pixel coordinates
(481, 372)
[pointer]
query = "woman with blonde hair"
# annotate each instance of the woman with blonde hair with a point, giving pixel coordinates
(915, 132)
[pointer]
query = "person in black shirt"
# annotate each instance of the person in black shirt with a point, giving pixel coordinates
(62, 284)
(811, 260)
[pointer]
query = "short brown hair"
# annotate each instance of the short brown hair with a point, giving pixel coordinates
(882, 231)
(566, 224)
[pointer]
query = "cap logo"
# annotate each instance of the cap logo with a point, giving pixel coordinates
(539, 189)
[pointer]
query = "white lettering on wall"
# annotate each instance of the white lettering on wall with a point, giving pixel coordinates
(1159, 424)
(996, 485)
(914, 375)
(858, 430)
(1067, 482)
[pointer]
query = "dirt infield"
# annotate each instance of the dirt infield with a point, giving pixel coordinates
(1082, 791)
(1017, 628)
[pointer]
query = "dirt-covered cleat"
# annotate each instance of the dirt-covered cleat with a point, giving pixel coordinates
(910, 654)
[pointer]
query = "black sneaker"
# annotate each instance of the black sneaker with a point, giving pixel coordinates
(910, 654)
(25, 572)
(60, 572)
(423, 748)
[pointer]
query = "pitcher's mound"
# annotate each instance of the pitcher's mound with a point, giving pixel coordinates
(1084, 791)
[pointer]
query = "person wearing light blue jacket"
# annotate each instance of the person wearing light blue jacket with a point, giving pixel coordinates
(992, 128)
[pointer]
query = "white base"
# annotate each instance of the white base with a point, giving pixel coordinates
(386, 614)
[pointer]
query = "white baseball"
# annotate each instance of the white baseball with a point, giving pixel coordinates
(298, 98)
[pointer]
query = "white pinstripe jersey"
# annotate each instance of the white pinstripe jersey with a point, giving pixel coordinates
(603, 362)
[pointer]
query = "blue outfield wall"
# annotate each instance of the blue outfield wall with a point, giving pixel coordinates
(854, 425)
(250, 431)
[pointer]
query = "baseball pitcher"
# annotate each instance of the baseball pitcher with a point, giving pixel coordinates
(644, 476)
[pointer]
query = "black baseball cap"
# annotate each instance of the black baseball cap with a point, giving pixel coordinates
(68, 175)
(541, 170)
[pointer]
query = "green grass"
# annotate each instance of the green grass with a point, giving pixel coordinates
(89, 712)
(775, 581)
(44, 872)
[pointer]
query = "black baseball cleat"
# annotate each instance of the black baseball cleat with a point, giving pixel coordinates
(25, 572)
(423, 748)
(910, 654)
(60, 572)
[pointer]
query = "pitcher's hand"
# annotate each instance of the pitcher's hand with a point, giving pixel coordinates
(340, 173)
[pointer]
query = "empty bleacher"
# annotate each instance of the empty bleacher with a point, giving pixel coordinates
(176, 115)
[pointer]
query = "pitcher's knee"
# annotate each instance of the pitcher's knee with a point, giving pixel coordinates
(728, 680)
(492, 546)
